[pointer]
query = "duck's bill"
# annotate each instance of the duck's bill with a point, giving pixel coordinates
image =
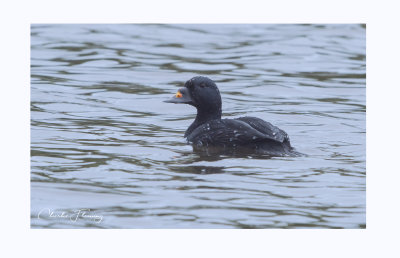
(181, 97)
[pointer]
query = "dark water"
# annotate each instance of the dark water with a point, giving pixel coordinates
(105, 145)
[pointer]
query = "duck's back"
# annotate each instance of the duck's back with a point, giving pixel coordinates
(247, 132)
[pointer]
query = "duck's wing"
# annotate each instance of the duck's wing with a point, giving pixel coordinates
(267, 129)
(232, 132)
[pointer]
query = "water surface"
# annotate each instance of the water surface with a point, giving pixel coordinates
(103, 142)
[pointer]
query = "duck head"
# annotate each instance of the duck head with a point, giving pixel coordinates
(202, 93)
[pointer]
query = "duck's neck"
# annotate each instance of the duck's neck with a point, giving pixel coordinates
(203, 116)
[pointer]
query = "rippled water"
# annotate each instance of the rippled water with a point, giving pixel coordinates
(104, 142)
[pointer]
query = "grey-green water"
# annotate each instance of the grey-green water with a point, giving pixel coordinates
(102, 140)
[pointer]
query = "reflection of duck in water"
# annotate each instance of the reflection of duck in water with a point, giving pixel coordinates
(249, 134)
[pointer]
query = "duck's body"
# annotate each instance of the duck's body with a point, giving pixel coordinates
(249, 133)
(209, 130)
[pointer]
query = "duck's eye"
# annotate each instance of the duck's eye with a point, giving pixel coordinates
(202, 85)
